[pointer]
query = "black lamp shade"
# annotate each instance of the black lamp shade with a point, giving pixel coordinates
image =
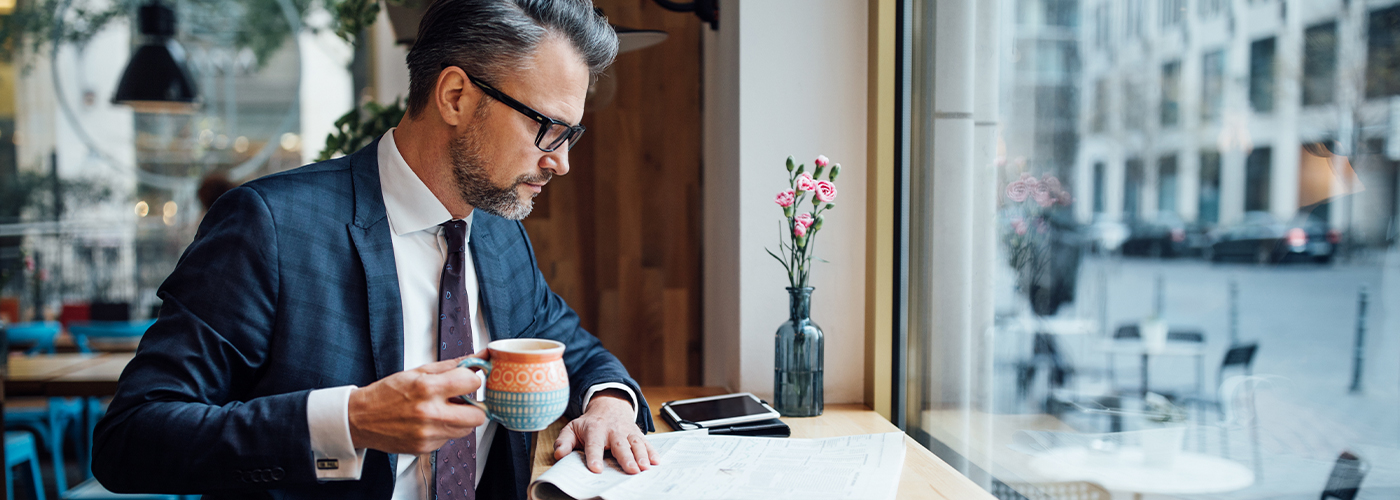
(155, 80)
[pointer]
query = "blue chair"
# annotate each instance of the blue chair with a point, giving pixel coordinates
(93, 490)
(19, 448)
(49, 419)
(108, 335)
(39, 335)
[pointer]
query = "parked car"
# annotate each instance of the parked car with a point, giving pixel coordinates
(1163, 236)
(1260, 238)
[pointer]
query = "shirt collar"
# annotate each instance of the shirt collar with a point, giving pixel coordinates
(408, 203)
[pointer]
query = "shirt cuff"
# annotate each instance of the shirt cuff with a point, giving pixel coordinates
(594, 390)
(328, 419)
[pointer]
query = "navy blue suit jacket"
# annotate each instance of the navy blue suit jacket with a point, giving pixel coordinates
(290, 286)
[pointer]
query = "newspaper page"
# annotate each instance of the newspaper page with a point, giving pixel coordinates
(702, 467)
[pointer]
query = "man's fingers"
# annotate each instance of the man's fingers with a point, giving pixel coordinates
(593, 445)
(622, 452)
(458, 383)
(439, 366)
(463, 417)
(639, 450)
(566, 442)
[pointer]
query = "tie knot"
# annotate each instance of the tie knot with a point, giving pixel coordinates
(455, 231)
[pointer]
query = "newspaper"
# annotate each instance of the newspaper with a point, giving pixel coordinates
(696, 466)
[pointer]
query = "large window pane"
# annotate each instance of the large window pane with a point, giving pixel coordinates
(1184, 284)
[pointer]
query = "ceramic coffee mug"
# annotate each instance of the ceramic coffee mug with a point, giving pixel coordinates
(527, 387)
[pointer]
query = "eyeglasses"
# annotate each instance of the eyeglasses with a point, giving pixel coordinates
(553, 133)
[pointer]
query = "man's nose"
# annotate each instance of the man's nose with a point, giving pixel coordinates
(556, 162)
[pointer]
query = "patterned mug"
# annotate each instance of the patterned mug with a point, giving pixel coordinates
(527, 387)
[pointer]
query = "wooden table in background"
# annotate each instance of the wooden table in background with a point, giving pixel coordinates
(65, 374)
(924, 475)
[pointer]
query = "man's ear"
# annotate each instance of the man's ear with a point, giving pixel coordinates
(451, 96)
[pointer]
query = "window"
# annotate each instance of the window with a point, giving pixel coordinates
(1171, 94)
(1173, 11)
(1208, 209)
(1187, 268)
(1098, 187)
(1132, 189)
(1383, 53)
(1166, 184)
(1261, 75)
(1257, 174)
(1100, 113)
(1209, 9)
(1319, 64)
(1132, 26)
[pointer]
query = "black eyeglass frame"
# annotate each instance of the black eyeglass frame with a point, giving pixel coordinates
(571, 135)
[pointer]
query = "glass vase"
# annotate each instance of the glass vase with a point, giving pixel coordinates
(798, 359)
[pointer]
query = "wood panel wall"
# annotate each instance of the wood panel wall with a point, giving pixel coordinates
(619, 236)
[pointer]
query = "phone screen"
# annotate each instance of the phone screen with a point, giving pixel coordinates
(702, 411)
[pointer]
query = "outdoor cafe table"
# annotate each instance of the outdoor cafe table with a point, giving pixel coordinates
(1124, 470)
(924, 474)
(1172, 348)
(69, 374)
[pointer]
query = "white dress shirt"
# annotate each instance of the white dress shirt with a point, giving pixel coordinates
(414, 215)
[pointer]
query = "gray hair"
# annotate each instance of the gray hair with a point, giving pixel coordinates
(491, 39)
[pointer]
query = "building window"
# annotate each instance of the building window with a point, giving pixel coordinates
(1171, 94)
(1102, 23)
(1132, 13)
(1210, 8)
(1208, 208)
(1383, 53)
(1257, 173)
(1261, 75)
(1173, 11)
(1133, 102)
(1166, 184)
(1098, 187)
(1063, 13)
(1319, 64)
(1099, 118)
(1212, 84)
(1132, 189)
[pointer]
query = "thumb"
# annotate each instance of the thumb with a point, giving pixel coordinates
(566, 442)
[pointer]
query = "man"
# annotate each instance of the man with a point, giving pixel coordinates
(277, 367)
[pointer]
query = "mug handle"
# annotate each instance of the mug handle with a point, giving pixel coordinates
(485, 366)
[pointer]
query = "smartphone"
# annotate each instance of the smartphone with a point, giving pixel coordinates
(715, 411)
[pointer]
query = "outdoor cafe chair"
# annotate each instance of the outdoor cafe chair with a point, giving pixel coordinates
(1346, 477)
(19, 448)
(38, 335)
(108, 335)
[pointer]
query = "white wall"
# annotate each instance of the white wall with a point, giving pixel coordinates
(782, 77)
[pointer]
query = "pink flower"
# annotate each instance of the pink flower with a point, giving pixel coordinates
(1065, 199)
(1018, 225)
(805, 219)
(826, 191)
(806, 183)
(786, 198)
(28, 263)
(1017, 191)
(1041, 226)
(1030, 180)
(1051, 182)
(1042, 196)
(821, 161)
(799, 230)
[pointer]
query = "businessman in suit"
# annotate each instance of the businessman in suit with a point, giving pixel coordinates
(309, 336)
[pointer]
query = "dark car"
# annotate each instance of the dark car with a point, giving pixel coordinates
(1260, 238)
(1163, 236)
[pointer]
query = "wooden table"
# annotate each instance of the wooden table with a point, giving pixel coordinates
(924, 475)
(65, 374)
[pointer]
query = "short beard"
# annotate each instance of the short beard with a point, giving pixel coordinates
(474, 183)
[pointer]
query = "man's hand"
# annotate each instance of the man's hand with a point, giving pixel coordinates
(608, 424)
(409, 411)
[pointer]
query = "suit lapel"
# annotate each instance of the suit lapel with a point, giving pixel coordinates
(370, 233)
(490, 276)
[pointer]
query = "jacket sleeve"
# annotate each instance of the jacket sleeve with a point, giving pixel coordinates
(585, 358)
(182, 420)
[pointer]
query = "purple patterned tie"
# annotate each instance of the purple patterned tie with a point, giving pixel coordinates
(455, 470)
